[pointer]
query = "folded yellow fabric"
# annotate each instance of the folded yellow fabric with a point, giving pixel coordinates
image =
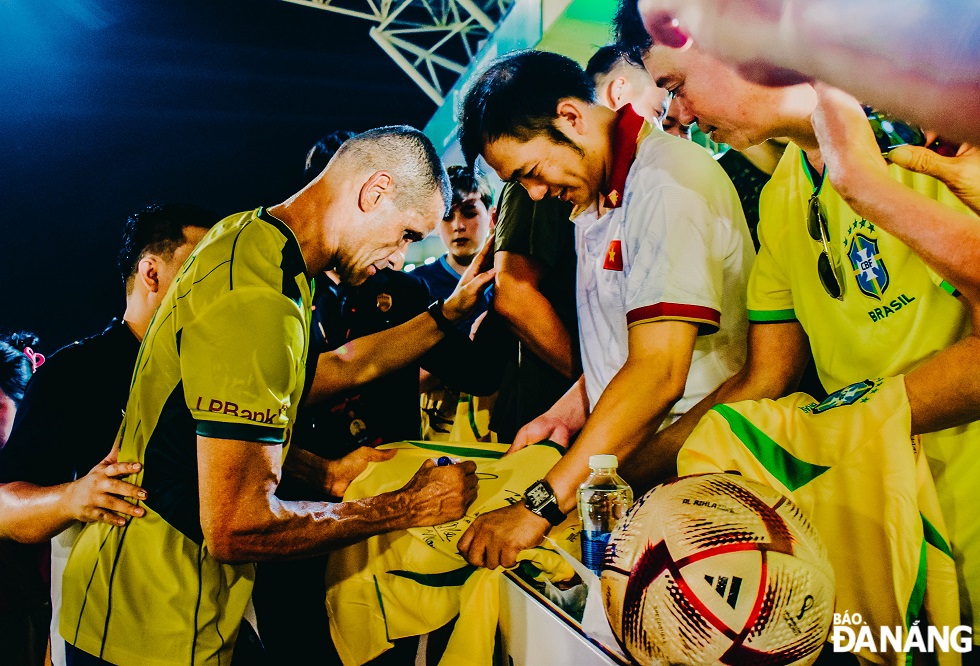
(850, 464)
(411, 582)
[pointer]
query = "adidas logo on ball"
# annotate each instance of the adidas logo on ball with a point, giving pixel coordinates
(722, 587)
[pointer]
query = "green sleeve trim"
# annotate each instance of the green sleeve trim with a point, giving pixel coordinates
(949, 289)
(792, 472)
(918, 594)
(453, 578)
(772, 316)
(246, 432)
(934, 538)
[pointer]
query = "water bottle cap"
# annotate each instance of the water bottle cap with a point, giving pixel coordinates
(603, 461)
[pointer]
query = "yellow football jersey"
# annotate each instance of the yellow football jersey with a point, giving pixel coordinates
(895, 311)
(411, 582)
(224, 357)
(851, 466)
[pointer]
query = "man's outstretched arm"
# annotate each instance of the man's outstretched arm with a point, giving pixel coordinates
(776, 358)
(947, 240)
(630, 410)
(30, 513)
(365, 359)
(243, 520)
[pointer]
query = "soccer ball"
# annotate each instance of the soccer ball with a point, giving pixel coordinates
(713, 568)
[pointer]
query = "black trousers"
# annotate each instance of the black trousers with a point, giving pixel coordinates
(24, 635)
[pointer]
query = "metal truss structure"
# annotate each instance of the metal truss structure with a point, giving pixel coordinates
(433, 41)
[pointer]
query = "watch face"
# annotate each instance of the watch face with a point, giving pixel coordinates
(537, 495)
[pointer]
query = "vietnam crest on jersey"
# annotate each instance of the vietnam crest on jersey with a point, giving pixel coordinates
(614, 256)
(869, 268)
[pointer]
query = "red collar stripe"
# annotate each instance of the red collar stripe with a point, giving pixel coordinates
(628, 127)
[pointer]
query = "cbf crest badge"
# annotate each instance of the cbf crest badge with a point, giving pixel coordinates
(847, 396)
(869, 268)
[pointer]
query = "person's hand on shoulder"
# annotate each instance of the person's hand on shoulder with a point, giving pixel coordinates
(847, 142)
(848, 148)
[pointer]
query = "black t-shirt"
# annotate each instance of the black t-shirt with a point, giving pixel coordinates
(64, 427)
(71, 412)
(386, 409)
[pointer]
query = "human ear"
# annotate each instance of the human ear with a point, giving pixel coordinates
(571, 117)
(618, 91)
(606, 94)
(149, 273)
(374, 189)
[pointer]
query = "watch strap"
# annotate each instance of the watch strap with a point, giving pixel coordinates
(435, 311)
(549, 510)
(552, 513)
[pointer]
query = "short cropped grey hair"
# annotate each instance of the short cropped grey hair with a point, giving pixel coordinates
(410, 157)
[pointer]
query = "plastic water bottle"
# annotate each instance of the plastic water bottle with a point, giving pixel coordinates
(602, 501)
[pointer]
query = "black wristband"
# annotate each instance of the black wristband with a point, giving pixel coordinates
(435, 311)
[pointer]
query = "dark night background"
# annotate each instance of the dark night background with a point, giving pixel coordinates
(109, 105)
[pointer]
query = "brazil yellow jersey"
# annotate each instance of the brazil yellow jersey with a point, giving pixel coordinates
(224, 357)
(895, 311)
(411, 582)
(852, 468)
(895, 314)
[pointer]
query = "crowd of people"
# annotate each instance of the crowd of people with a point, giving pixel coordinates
(170, 489)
